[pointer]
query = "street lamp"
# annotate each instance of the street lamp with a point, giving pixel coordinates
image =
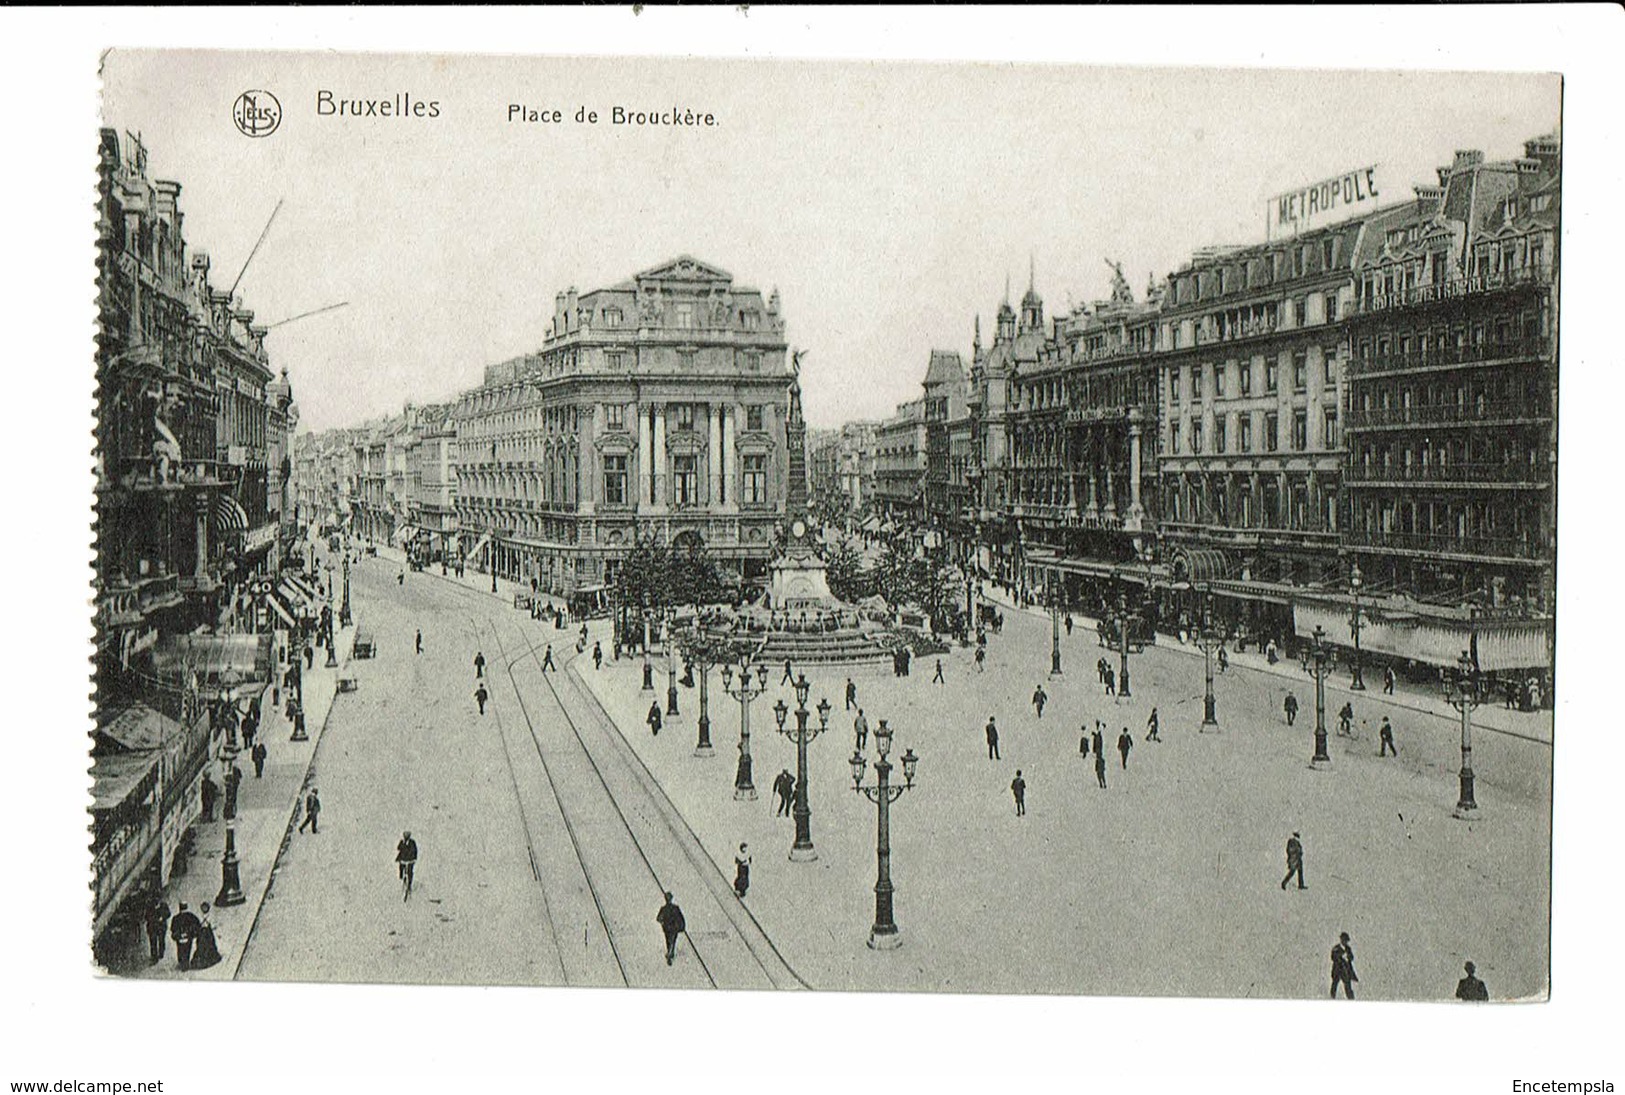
(648, 670)
(671, 667)
(344, 609)
(1122, 646)
(1209, 638)
(802, 851)
(748, 689)
(883, 936)
(1317, 662)
(701, 656)
(1054, 628)
(1356, 618)
(1464, 690)
(332, 655)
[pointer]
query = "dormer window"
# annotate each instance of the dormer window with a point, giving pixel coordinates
(613, 317)
(751, 320)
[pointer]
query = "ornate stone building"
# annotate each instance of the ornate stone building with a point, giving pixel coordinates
(655, 407)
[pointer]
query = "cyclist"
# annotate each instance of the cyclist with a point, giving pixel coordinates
(406, 857)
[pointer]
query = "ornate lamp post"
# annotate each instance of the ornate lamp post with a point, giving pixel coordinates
(802, 851)
(1122, 646)
(648, 670)
(1464, 689)
(748, 688)
(698, 650)
(1209, 638)
(344, 609)
(1317, 662)
(1356, 618)
(671, 667)
(332, 655)
(883, 936)
(231, 889)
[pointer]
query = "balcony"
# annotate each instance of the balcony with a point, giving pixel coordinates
(1509, 476)
(1454, 289)
(1502, 412)
(1528, 349)
(131, 603)
(1436, 543)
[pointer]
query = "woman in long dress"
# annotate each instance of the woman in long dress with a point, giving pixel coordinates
(206, 952)
(742, 871)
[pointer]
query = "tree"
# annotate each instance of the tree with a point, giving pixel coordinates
(848, 580)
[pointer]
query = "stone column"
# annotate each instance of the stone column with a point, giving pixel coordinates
(713, 455)
(200, 568)
(730, 473)
(660, 457)
(1136, 511)
(645, 457)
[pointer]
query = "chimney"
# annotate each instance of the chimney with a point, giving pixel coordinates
(1468, 158)
(571, 302)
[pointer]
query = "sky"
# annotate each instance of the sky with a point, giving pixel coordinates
(888, 202)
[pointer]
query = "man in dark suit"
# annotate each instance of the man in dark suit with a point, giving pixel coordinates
(1343, 966)
(784, 785)
(670, 918)
(1471, 989)
(1294, 861)
(157, 927)
(183, 930)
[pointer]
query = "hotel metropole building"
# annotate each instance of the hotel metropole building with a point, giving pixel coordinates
(656, 407)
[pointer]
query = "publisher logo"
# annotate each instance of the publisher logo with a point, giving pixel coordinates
(257, 113)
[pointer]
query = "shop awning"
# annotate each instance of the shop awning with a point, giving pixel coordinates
(483, 540)
(245, 659)
(229, 515)
(283, 613)
(405, 533)
(120, 777)
(135, 729)
(1201, 565)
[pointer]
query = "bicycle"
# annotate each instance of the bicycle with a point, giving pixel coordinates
(406, 879)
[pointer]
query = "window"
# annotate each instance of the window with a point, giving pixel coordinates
(1219, 438)
(1197, 388)
(684, 315)
(1331, 307)
(684, 480)
(753, 362)
(1328, 366)
(1173, 386)
(1220, 372)
(615, 360)
(685, 360)
(1300, 371)
(1272, 377)
(685, 416)
(753, 416)
(615, 416)
(1300, 311)
(1246, 433)
(615, 480)
(1196, 437)
(613, 317)
(1300, 431)
(1328, 252)
(754, 485)
(1272, 432)
(1173, 437)
(1328, 427)
(1244, 376)
(751, 320)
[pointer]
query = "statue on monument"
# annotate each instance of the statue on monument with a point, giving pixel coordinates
(1121, 293)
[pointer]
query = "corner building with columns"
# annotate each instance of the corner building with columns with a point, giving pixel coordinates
(656, 407)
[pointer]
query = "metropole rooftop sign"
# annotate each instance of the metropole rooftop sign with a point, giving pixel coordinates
(1321, 203)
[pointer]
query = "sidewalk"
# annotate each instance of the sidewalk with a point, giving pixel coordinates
(1533, 726)
(479, 581)
(265, 811)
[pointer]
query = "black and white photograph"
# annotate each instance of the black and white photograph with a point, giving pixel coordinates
(607, 525)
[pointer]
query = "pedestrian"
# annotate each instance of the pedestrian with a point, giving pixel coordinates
(479, 664)
(1290, 706)
(480, 696)
(788, 678)
(860, 731)
(937, 678)
(1069, 625)
(313, 807)
(547, 659)
(1083, 742)
(1039, 700)
(992, 740)
(851, 694)
(1386, 733)
(783, 786)
(1124, 744)
(206, 952)
(1388, 679)
(1343, 966)
(1470, 988)
(420, 641)
(1111, 681)
(234, 780)
(210, 792)
(310, 656)
(1270, 653)
(251, 727)
(1018, 787)
(157, 920)
(1224, 660)
(598, 655)
(1100, 670)
(670, 918)
(981, 656)
(1294, 862)
(400, 579)
(1100, 761)
(183, 930)
(742, 870)
(653, 718)
(1345, 720)
(257, 755)
(1153, 725)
